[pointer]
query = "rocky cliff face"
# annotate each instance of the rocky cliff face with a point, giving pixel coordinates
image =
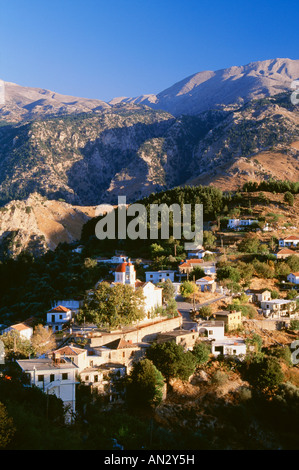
(37, 224)
(89, 159)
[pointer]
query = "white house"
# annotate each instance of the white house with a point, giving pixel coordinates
(58, 316)
(293, 277)
(213, 329)
(159, 276)
(278, 307)
(238, 224)
(259, 295)
(206, 283)
(24, 330)
(292, 240)
(73, 305)
(201, 253)
(229, 346)
(221, 344)
(54, 376)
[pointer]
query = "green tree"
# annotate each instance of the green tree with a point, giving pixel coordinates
(197, 273)
(7, 428)
(168, 290)
(293, 263)
(256, 341)
(274, 294)
(205, 311)
(144, 385)
(188, 288)
(266, 373)
(228, 272)
(292, 294)
(289, 198)
(250, 245)
(171, 360)
(172, 307)
(15, 345)
(209, 240)
(201, 351)
(294, 325)
(112, 306)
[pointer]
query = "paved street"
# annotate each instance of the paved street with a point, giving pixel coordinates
(184, 308)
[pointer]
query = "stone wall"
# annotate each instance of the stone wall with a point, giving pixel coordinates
(144, 333)
(272, 324)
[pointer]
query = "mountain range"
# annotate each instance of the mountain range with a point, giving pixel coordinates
(218, 128)
(222, 89)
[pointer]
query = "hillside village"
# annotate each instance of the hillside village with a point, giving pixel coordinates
(222, 314)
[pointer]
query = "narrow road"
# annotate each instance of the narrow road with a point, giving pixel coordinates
(184, 308)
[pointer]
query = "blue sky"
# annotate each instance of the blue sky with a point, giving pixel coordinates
(104, 49)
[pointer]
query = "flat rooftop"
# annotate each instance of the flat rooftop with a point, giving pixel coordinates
(210, 323)
(45, 364)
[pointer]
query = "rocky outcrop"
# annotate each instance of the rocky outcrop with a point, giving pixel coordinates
(37, 224)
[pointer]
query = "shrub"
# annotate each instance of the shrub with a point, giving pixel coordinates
(219, 378)
(201, 351)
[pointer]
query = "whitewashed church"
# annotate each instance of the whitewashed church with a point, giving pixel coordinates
(125, 274)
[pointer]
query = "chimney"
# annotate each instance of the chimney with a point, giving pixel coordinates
(56, 358)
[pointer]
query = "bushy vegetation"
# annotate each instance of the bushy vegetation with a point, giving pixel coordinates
(272, 186)
(29, 286)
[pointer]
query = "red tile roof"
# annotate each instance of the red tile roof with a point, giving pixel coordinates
(20, 327)
(286, 251)
(60, 308)
(189, 262)
(121, 268)
(69, 351)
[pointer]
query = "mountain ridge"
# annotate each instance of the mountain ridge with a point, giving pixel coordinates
(224, 88)
(209, 89)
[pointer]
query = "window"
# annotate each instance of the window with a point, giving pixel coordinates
(52, 378)
(96, 378)
(86, 378)
(124, 354)
(65, 376)
(40, 378)
(60, 317)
